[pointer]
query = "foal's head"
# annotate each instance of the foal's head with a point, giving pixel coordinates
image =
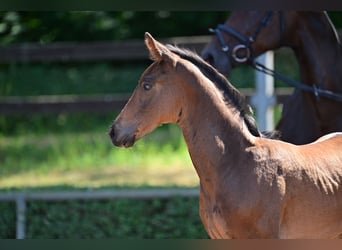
(155, 100)
(160, 95)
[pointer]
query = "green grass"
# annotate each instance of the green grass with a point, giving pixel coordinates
(86, 157)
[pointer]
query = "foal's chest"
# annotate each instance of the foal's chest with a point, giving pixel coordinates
(217, 225)
(213, 219)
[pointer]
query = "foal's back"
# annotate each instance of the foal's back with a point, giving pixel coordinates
(311, 180)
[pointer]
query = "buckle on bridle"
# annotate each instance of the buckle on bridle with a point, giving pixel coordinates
(315, 91)
(235, 53)
(238, 48)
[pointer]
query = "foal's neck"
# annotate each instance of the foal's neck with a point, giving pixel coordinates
(215, 134)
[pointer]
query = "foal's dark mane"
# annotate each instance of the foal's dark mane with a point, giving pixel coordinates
(231, 94)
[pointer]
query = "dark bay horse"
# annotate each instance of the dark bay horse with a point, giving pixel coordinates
(250, 186)
(245, 35)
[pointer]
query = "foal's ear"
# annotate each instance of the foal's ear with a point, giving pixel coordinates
(157, 50)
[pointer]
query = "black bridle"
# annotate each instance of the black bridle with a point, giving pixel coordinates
(248, 57)
(245, 42)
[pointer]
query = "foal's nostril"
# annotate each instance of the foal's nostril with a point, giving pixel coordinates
(122, 137)
(111, 132)
(114, 135)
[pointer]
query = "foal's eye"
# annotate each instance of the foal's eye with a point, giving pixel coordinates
(147, 86)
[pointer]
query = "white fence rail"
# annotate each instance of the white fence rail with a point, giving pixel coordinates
(21, 199)
(264, 99)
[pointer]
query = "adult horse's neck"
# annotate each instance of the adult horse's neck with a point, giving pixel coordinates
(319, 52)
(319, 55)
(215, 133)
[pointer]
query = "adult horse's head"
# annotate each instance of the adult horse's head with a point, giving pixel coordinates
(144, 110)
(245, 35)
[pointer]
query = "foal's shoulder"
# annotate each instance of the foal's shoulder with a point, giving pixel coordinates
(271, 148)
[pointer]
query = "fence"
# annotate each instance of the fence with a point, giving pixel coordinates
(131, 50)
(21, 198)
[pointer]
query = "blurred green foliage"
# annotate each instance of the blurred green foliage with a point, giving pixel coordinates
(7, 220)
(336, 18)
(129, 219)
(50, 26)
(64, 79)
(45, 27)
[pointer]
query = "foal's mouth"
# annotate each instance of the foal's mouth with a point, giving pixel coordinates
(125, 140)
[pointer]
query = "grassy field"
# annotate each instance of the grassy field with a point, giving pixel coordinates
(88, 159)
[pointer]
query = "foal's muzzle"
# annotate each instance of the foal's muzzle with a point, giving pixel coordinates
(122, 137)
